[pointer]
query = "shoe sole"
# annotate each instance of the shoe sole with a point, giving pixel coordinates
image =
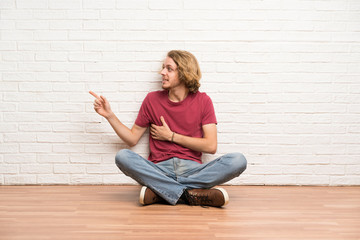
(142, 195)
(226, 195)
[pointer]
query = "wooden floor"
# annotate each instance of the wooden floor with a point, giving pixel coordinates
(113, 212)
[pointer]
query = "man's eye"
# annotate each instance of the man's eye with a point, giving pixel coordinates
(169, 69)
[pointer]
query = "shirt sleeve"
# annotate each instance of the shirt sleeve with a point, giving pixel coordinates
(208, 111)
(142, 119)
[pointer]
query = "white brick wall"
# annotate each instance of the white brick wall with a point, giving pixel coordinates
(284, 77)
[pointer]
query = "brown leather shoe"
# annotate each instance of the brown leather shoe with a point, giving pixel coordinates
(215, 197)
(147, 196)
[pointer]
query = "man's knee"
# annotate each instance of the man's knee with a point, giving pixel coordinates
(238, 162)
(122, 157)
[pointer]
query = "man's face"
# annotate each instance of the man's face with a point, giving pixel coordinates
(169, 72)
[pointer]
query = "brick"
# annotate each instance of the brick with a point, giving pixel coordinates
(102, 4)
(104, 148)
(18, 56)
(66, 24)
(329, 170)
(101, 67)
(51, 76)
(100, 46)
(18, 14)
(117, 14)
(32, 25)
(83, 14)
(7, 46)
(34, 127)
(352, 169)
(103, 88)
(267, 170)
(85, 57)
(9, 168)
(68, 127)
(36, 168)
(31, 4)
(53, 117)
(346, 140)
(33, 67)
(86, 179)
(85, 159)
(67, 107)
(52, 138)
(7, 67)
(123, 4)
(127, 78)
(35, 107)
(280, 180)
(66, 148)
(313, 180)
(48, 14)
(354, 129)
(118, 179)
(88, 77)
(31, 45)
(9, 86)
(53, 179)
(161, 4)
(53, 158)
(65, 4)
(35, 148)
(17, 77)
(6, 107)
(6, 4)
(17, 35)
(67, 67)
(113, 138)
(68, 168)
(66, 87)
(101, 169)
(19, 158)
(353, 150)
(84, 35)
(344, 180)
(8, 127)
(20, 179)
(85, 117)
(51, 57)
(135, 36)
(98, 25)
(51, 35)
(98, 128)
(85, 138)
(354, 108)
(68, 45)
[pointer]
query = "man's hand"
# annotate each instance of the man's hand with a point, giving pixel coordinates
(102, 106)
(206, 144)
(162, 133)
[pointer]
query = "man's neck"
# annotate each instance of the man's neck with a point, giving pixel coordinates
(178, 94)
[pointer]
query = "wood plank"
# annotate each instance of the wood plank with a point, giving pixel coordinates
(113, 212)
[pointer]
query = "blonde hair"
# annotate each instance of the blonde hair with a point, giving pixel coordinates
(188, 69)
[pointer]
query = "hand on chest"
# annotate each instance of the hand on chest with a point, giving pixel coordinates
(181, 120)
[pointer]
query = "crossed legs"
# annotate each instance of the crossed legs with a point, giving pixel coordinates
(171, 178)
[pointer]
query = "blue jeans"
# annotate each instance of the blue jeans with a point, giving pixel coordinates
(169, 179)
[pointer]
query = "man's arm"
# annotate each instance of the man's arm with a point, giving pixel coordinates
(130, 136)
(206, 144)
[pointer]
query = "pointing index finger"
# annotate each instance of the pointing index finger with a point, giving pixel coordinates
(94, 94)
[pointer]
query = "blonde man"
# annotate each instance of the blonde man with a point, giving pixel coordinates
(182, 126)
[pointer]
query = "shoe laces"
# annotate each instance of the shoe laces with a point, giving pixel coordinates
(198, 199)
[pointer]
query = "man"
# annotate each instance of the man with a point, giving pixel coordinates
(182, 126)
